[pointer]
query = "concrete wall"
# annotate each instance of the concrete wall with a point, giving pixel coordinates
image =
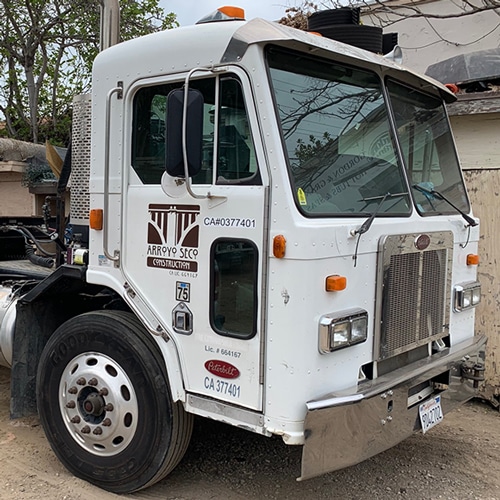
(21, 201)
(426, 41)
(15, 199)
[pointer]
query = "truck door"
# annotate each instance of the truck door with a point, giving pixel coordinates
(198, 261)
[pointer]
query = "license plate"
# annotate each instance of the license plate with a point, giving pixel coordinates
(430, 413)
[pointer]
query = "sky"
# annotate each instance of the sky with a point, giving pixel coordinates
(190, 11)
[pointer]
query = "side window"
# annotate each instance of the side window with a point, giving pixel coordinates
(235, 154)
(224, 117)
(148, 132)
(234, 288)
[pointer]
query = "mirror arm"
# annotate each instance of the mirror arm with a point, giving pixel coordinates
(187, 179)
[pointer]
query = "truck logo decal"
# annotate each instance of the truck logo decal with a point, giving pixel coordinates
(422, 241)
(222, 368)
(173, 237)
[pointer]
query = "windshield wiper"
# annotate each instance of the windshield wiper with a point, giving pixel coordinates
(441, 196)
(368, 222)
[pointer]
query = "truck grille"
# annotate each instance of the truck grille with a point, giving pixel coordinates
(413, 292)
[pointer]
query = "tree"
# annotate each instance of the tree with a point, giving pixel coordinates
(46, 54)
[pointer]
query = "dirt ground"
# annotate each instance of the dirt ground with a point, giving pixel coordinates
(458, 459)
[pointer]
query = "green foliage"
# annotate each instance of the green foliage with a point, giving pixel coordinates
(46, 54)
(306, 151)
(35, 174)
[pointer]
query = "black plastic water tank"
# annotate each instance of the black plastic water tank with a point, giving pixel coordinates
(351, 32)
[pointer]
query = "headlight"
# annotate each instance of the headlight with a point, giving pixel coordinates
(466, 295)
(339, 330)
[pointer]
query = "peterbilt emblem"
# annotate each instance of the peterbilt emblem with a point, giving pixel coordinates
(222, 369)
(422, 241)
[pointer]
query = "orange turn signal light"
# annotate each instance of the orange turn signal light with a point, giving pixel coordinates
(232, 12)
(279, 246)
(472, 259)
(335, 283)
(96, 218)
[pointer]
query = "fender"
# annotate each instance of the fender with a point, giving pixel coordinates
(118, 282)
(165, 342)
(62, 295)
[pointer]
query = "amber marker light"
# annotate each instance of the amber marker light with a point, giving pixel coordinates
(96, 219)
(279, 246)
(335, 283)
(233, 12)
(472, 259)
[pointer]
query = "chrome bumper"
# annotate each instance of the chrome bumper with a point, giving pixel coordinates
(344, 429)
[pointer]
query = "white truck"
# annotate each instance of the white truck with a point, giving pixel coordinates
(273, 232)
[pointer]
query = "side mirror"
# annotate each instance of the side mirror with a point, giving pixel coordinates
(174, 157)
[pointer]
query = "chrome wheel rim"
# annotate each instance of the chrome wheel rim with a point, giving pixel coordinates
(98, 404)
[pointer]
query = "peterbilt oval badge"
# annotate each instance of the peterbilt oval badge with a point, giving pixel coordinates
(222, 368)
(422, 241)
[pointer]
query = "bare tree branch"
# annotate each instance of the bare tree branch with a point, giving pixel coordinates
(382, 9)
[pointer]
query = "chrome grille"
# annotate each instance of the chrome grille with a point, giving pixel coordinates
(432, 296)
(413, 290)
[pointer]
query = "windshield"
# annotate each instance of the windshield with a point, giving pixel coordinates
(428, 150)
(335, 126)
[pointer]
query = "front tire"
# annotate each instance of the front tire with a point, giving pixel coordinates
(105, 404)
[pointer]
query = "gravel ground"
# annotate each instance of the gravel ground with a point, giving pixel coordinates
(458, 459)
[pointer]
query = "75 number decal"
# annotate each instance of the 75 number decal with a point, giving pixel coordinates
(182, 291)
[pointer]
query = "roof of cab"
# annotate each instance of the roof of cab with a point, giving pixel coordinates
(203, 45)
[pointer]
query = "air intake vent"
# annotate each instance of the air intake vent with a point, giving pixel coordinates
(80, 159)
(413, 291)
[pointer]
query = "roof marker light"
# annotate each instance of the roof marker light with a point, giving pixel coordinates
(452, 87)
(226, 13)
(234, 12)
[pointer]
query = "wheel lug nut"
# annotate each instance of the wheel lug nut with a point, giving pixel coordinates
(103, 392)
(81, 381)
(70, 404)
(97, 431)
(93, 381)
(75, 420)
(72, 390)
(109, 407)
(106, 422)
(86, 430)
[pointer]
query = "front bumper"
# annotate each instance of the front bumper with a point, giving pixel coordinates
(344, 429)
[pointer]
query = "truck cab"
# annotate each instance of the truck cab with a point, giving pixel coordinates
(282, 220)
